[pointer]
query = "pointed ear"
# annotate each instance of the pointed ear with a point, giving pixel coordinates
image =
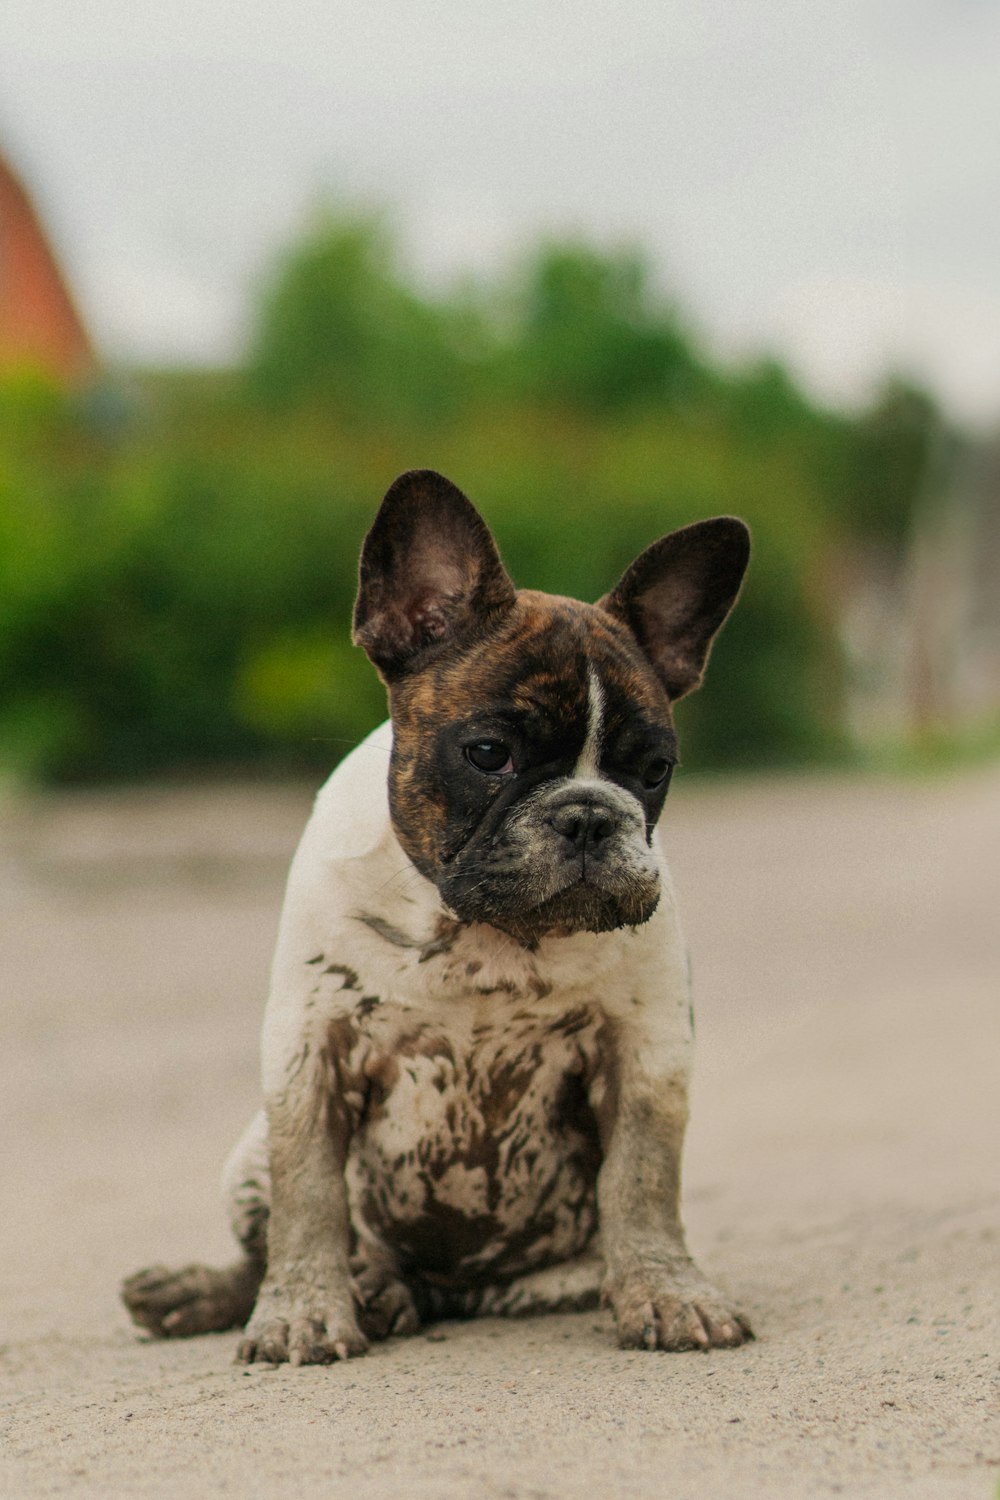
(677, 593)
(430, 573)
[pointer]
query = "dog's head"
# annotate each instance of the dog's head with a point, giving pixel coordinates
(533, 740)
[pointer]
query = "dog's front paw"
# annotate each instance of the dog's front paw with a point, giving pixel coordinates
(659, 1309)
(307, 1330)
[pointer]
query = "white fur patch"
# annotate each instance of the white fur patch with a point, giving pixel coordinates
(586, 768)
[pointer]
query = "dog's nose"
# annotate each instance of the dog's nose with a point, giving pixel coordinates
(584, 825)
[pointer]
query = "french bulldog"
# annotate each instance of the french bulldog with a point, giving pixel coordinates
(478, 1038)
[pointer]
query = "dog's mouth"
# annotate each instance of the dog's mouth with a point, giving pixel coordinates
(580, 908)
(587, 898)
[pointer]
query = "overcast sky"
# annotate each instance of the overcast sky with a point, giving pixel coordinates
(819, 179)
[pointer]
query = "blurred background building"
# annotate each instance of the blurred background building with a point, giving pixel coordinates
(921, 629)
(39, 322)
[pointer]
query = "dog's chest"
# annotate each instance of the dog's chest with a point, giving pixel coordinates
(476, 1151)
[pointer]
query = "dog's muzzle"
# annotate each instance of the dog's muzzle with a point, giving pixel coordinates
(571, 857)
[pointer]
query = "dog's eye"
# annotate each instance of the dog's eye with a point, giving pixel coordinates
(491, 756)
(656, 771)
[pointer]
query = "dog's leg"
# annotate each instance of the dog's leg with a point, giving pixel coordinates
(305, 1310)
(204, 1299)
(660, 1298)
(385, 1303)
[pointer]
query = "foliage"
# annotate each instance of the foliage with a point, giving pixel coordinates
(177, 560)
(588, 334)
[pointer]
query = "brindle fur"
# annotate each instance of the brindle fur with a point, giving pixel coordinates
(475, 1064)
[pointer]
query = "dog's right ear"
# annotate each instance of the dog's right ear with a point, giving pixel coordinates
(430, 574)
(677, 594)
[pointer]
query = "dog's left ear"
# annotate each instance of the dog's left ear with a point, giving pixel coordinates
(430, 574)
(678, 592)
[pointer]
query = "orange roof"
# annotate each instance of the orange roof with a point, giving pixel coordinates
(39, 325)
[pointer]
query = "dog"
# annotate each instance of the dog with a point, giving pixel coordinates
(477, 1043)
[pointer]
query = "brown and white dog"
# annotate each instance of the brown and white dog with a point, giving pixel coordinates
(477, 1043)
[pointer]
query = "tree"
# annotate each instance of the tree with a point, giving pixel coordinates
(589, 333)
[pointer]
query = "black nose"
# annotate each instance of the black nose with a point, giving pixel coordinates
(584, 825)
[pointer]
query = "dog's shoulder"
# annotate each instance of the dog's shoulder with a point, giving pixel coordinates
(350, 817)
(348, 848)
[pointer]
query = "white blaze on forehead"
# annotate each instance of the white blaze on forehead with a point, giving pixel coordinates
(587, 764)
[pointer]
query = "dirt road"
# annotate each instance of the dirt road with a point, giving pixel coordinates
(843, 1179)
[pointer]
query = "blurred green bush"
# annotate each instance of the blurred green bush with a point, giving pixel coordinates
(178, 557)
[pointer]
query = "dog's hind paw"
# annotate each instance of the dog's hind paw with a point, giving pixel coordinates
(386, 1308)
(194, 1299)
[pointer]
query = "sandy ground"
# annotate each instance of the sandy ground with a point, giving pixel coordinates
(842, 1178)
